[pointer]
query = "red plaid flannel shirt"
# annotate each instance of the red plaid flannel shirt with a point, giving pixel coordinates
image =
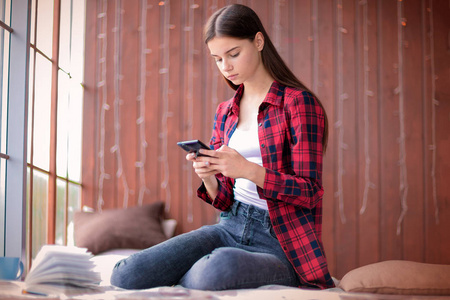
(290, 129)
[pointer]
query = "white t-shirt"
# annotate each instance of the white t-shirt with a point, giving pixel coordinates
(246, 142)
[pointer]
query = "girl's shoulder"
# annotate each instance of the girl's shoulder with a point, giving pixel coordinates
(297, 92)
(294, 96)
(224, 107)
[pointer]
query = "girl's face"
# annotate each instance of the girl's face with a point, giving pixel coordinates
(239, 60)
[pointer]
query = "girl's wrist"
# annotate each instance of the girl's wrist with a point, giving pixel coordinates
(256, 174)
(211, 186)
(209, 180)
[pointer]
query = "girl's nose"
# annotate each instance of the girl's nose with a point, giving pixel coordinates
(226, 66)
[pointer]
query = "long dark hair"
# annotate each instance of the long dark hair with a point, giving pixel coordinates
(240, 21)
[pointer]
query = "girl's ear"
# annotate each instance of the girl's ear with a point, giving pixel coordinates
(259, 41)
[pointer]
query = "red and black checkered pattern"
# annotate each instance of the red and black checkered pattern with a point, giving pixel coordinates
(290, 129)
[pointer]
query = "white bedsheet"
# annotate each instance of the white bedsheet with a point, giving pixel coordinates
(263, 293)
(105, 263)
(13, 290)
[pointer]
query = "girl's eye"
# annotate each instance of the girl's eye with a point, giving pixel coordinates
(218, 60)
(235, 55)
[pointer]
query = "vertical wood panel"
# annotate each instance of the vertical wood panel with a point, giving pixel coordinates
(193, 114)
(323, 66)
(89, 170)
(301, 41)
(362, 54)
(263, 9)
(390, 132)
(437, 228)
(369, 188)
(282, 29)
(110, 192)
(205, 113)
(152, 101)
(346, 137)
(413, 237)
(193, 213)
(129, 89)
(171, 158)
(428, 94)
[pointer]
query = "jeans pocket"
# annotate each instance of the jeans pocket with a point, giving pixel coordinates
(225, 215)
(272, 232)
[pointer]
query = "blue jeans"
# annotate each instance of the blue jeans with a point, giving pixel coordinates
(241, 251)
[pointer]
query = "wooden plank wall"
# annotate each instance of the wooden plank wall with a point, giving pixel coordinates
(381, 68)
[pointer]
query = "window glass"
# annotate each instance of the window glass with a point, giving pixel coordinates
(65, 35)
(69, 118)
(28, 210)
(74, 204)
(44, 38)
(76, 90)
(4, 71)
(75, 130)
(2, 11)
(64, 122)
(42, 106)
(77, 44)
(30, 105)
(39, 209)
(5, 11)
(2, 203)
(33, 23)
(60, 212)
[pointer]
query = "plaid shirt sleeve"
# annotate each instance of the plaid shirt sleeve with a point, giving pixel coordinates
(225, 195)
(294, 175)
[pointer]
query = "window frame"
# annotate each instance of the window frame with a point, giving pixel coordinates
(15, 236)
(36, 235)
(16, 149)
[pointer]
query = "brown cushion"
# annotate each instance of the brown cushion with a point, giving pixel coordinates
(134, 228)
(399, 277)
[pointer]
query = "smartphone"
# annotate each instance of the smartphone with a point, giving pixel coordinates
(193, 146)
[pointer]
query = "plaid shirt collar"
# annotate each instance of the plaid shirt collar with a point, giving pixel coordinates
(273, 97)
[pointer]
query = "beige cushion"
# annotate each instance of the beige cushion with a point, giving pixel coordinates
(132, 228)
(399, 277)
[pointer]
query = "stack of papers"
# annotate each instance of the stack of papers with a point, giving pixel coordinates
(60, 269)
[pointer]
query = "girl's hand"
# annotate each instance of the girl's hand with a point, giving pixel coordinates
(229, 163)
(206, 174)
(225, 160)
(202, 168)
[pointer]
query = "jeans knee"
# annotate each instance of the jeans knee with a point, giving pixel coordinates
(119, 276)
(212, 272)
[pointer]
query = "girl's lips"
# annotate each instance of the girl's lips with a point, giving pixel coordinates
(232, 77)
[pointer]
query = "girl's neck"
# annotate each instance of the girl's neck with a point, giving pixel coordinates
(256, 90)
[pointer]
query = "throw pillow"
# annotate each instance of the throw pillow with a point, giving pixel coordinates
(399, 277)
(134, 228)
